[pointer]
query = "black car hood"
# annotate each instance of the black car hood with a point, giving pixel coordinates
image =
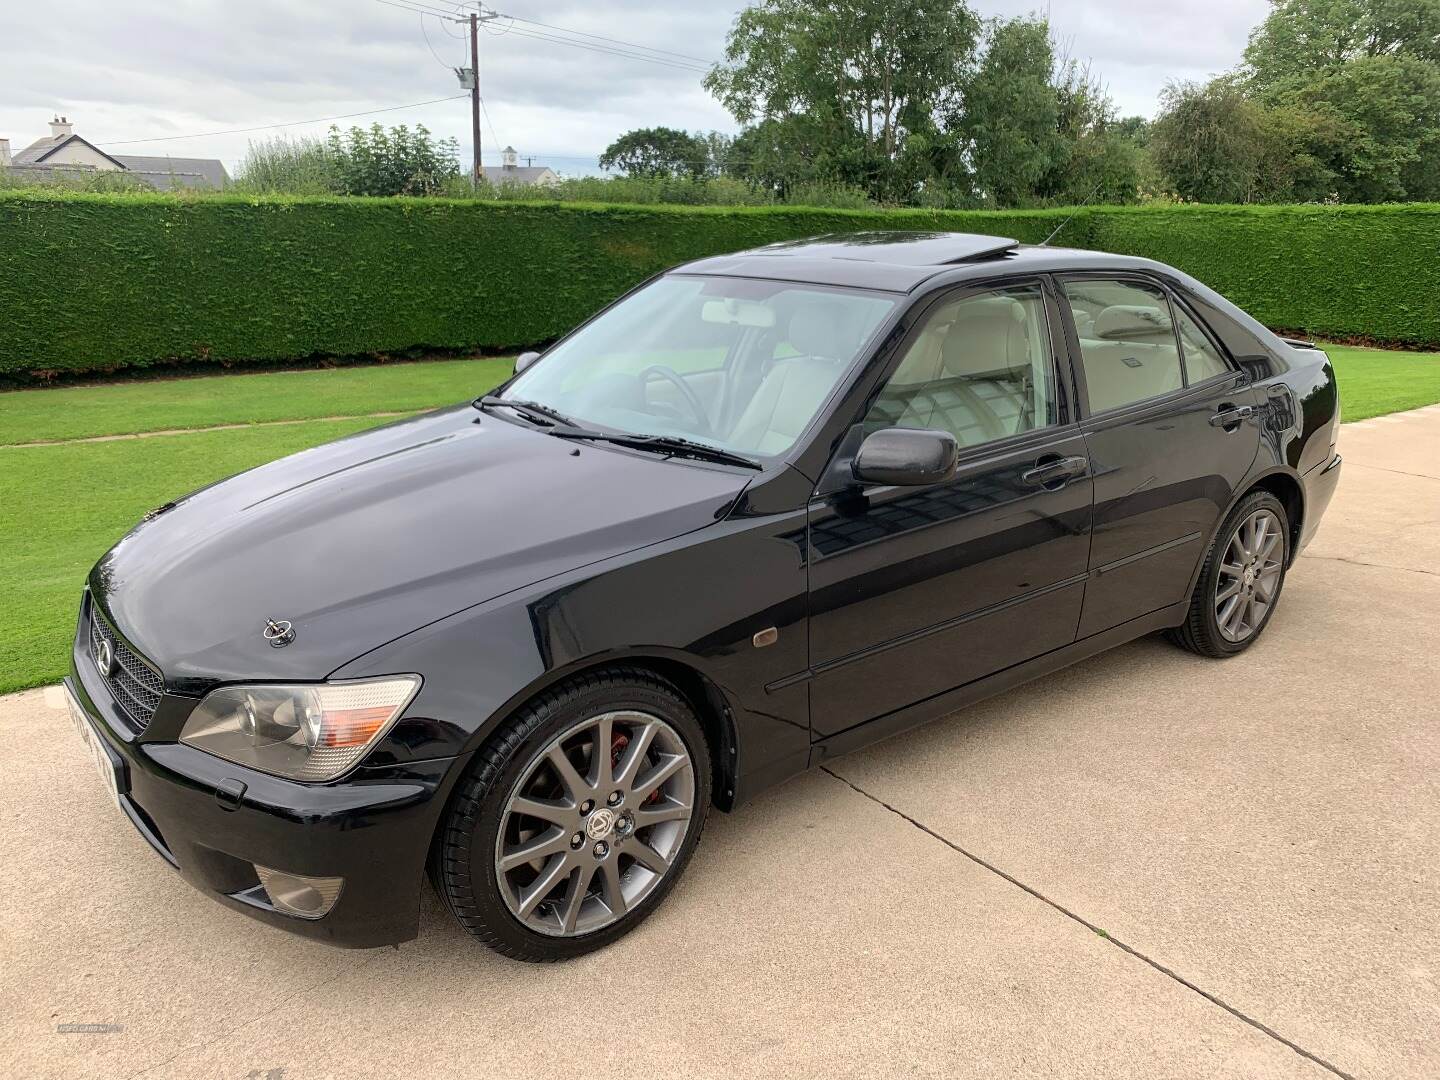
(365, 539)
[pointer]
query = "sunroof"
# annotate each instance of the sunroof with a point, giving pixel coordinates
(897, 248)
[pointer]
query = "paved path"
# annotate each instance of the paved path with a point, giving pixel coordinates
(1149, 865)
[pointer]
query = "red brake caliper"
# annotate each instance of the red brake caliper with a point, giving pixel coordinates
(617, 748)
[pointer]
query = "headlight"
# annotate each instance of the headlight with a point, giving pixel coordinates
(305, 732)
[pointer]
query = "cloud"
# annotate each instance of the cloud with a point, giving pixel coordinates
(153, 68)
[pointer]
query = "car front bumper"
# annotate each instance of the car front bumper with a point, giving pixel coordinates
(214, 822)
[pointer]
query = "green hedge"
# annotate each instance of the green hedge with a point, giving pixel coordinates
(100, 282)
(1332, 271)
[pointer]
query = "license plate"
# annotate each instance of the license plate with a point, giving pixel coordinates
(94, 746)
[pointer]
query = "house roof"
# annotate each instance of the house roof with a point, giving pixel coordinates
(518, 174)
(41, 149)
(173, 172)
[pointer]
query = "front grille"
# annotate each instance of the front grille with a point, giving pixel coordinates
(135, 685)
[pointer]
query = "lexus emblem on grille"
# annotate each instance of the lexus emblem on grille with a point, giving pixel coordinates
(279, 634)
(105, 658)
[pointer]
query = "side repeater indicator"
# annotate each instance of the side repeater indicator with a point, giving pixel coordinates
(765, 637)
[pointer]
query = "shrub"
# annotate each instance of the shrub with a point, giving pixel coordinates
(100, 282)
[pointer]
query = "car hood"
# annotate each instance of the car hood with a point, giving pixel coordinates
(365, 539)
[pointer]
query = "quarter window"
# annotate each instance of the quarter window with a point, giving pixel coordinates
(1127, 341)
(1202, 360)
(980, 369)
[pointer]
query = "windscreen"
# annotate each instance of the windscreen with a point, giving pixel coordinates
(740, 364)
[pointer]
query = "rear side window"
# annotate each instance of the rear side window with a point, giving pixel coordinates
(1128, 346)
(1202, 360)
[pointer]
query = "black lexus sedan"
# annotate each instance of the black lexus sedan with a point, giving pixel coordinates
(765, 509)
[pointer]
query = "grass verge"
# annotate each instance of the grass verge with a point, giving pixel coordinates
(78, 412)
(65, 505)
(1374, 382)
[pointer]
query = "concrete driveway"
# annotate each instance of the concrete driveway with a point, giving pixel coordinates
(1147, 865)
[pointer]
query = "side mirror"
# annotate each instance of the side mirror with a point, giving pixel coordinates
(905, 457)
(524, 360)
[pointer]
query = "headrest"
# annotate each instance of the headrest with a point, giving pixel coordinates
(1130, 322)
(815, 331)
(987, 335)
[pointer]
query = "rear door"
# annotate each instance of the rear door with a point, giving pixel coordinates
(917, 590)
(1170, 430)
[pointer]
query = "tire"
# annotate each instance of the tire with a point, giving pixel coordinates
(1206, 629)
(477, 862)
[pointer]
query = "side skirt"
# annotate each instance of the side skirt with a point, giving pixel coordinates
(922, 712)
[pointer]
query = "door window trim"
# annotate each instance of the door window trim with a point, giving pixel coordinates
(1177, 303)
(918, 317)
(1077, 361)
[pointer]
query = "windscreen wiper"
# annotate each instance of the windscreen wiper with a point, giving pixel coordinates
(661, 444)
(531, 410)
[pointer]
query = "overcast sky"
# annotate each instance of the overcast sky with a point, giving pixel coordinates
(144, 69)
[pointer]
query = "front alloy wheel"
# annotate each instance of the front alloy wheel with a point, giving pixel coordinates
(594, 823)
(576, 817)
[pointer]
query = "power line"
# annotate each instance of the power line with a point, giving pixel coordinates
(423, 8)
(678, 65)
(287, 123)
(489, 122)
(613, 46)
(613, 41)
(426, 35)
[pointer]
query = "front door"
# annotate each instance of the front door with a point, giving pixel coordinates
(1170, 432)
(915, 591)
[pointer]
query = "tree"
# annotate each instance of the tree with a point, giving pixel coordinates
(1209, 140)
(861, 75)
(1095, 162)
(1012, 113)
(1303, 38)
(400, 161)
(658, 152)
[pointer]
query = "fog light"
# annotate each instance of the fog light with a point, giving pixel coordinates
(298, 895)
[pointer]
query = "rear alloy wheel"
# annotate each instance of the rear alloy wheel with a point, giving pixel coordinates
(1241, 580)
(577, 817)
(1249, 578)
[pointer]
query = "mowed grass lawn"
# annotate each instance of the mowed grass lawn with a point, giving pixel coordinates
(63, 505)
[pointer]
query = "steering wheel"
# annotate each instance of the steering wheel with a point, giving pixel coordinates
(687, 393)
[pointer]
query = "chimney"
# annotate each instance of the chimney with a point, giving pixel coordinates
(4, 153)
(61, 128)
(508, 156)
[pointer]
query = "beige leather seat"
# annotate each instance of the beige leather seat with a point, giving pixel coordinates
(795, 388)
(987, 336)
(1130, 357)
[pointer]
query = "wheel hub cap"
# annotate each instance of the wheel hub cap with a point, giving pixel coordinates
(600, 824)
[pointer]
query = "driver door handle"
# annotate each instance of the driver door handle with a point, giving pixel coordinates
(1055, 472)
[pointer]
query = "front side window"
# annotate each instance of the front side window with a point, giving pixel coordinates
(980, 368)
(737, 363)
(1128, 347)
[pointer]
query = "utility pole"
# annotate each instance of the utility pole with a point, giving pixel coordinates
(476, 175)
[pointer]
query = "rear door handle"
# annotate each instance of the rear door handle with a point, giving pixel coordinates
(1055, 472)
(1229, 416)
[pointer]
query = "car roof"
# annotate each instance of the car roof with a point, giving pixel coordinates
(902, 261)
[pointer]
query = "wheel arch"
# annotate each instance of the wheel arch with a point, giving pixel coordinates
(1287, 488)
(711, 705)
(1280, 482)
